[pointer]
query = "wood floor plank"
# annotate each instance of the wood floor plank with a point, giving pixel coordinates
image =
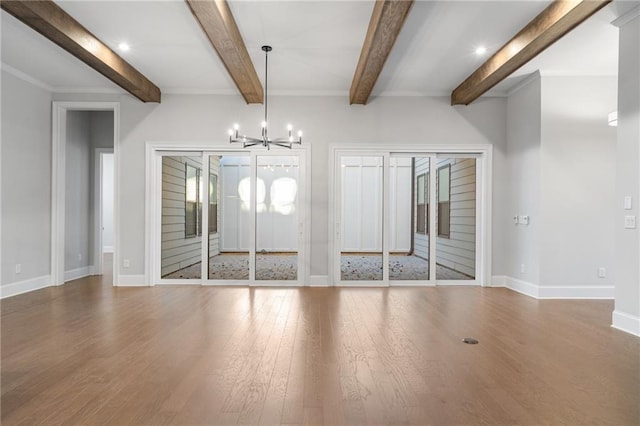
(87, 353)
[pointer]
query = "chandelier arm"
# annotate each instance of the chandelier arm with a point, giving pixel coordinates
(281, 144)
(287, 140)
(246, 139)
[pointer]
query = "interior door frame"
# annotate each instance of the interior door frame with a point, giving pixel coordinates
(483, 154)
(153, 208)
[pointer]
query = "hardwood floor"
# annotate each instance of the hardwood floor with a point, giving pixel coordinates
(87, 353)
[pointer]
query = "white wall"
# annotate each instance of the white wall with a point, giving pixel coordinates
(627, 241)
(523, 183)
(78, 191)
(107, 203)
(26, 181)
(577, 177)
(183, 118)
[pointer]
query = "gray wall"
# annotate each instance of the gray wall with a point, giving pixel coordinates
(577, 180)
(627, 241)
(206, 118)
(78, 191)
(26, 180)
(523, 183)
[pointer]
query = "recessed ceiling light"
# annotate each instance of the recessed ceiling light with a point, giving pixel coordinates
(124, 47)
(481, 50)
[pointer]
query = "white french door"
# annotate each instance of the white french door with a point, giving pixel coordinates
(410, 218)
(228, 217)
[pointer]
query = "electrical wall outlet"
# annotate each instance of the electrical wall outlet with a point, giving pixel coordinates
(18, 268)
(524, 220)
(522, 268)
(630, 222)
(602, 272)
(79, 256)
(125, 263)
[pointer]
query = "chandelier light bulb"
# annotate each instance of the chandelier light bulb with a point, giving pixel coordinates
(289, 127)
(230, 132)
(299, 133)
(264, 124)
(236, 126)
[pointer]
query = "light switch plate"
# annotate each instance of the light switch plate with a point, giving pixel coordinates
(627, 202)
(524, 220)
(630, 222)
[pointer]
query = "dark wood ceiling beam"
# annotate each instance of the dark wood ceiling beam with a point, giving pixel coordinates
(550, 25)
(216, 20)
(387, 20)
(54, 23)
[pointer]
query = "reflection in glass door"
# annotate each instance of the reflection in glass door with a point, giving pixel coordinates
(229, 217)
(181, 234)
(409, 218)
(455, 199)
(276, 205)
(361, 224)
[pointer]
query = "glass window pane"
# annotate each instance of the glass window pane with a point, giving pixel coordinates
(408, 244)
(181, 248)
(455, 243)
(229, 217)
(362, 218)
(277, 218)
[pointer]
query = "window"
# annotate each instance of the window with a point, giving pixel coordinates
(213, 203)
(193, 202)
(422, 213)
(444, 204)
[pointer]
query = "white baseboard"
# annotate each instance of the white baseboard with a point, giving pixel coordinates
(132, 281)
(75, 274)
(19, 287)
(554, 292)
(497, 281)
(319, 281)
(626, 322)
(107, 249)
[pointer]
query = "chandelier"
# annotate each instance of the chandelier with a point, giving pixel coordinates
(264, 140)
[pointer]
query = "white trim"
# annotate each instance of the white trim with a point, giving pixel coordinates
(25, 77)
(25, 286)
(498, 281)
(132, 281)
(626, 322)
(555, 292)
(77, 273)
(623, 20)
(523, 287)
(58, 143)
(318, 281)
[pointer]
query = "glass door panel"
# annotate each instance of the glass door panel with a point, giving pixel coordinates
(276, 205)
(361, 224)
(181, 234)
(455, 211)
(409, 218)
(229, 217)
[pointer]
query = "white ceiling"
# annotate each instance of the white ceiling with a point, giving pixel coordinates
(316, 45)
